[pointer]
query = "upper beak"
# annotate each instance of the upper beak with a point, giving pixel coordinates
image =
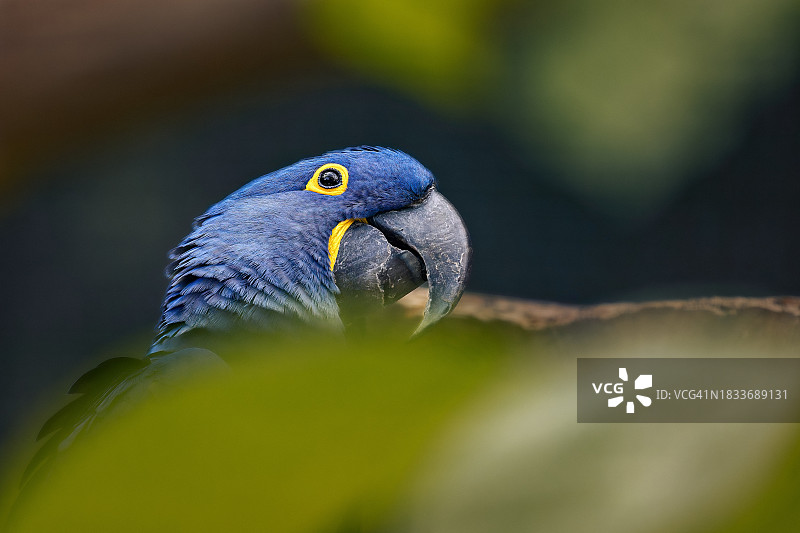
(398, 250)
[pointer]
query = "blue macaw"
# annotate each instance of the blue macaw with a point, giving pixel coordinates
(359, 227)
(471, 428)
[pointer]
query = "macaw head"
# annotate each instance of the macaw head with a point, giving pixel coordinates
(365, 222)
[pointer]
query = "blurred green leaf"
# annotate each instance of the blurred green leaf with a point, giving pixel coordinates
(631, 98)
(303, 436)
(437, 49)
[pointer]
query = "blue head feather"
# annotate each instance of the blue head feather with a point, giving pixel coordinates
(260, 256)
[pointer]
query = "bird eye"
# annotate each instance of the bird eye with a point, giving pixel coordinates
(330, 179)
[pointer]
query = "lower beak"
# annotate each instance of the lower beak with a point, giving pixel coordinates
(398, 250)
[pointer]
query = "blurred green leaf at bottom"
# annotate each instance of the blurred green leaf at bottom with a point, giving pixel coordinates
(303, 436)
(469, 429)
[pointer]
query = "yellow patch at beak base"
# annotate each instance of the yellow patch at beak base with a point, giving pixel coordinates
(336, 238)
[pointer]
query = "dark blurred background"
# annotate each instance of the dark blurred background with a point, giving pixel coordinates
(597, 151)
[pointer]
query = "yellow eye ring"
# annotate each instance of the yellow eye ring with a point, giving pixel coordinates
(330, 179)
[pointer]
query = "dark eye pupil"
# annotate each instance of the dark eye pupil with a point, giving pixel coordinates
(330, 178)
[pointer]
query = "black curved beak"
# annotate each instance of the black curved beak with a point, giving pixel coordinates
(397, 251)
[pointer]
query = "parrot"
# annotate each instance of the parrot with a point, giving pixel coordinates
(464, 421)
(350, 230)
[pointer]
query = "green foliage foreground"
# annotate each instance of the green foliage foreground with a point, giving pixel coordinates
(469, 429)
(307, 435)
